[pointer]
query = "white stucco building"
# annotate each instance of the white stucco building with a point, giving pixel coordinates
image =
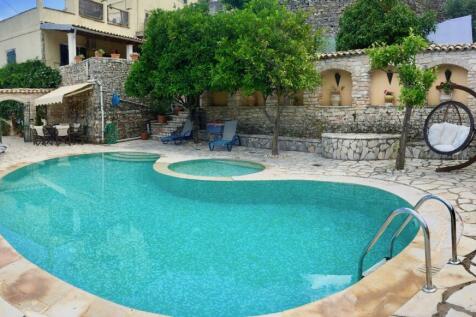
(56, 36)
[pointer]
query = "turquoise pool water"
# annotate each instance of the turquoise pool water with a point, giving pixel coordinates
(186, 247)
(216, 167)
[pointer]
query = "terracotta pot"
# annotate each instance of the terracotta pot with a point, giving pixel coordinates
(335, 99)
(162, 118)
(115, 56)
(134, 56)
(78, 59)
(144, 135)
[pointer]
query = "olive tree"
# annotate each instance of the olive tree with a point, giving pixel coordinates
(415, 81)
(272, 50)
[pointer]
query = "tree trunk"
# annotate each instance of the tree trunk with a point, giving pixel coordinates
(195, 105)
(274, 143)
(400, 163)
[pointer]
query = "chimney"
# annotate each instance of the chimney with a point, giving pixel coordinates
(40, 3)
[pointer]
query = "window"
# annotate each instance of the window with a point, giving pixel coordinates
(91, 9)
(117, 16)
(11, 56)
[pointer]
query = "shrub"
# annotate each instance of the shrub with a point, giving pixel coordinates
(30, 74)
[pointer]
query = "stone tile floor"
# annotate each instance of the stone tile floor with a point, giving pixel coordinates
(456, 295)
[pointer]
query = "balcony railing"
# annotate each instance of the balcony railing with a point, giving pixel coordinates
(91, 9)
(117, 16)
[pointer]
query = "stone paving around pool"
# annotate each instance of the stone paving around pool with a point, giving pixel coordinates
(456, 294)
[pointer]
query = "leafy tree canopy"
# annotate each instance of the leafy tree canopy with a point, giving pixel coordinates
(459, 8)
(30, 74)
(415, 81)
(271, 50)
(387, 21)
(177, 57)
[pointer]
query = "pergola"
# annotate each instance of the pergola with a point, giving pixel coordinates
(26, 96)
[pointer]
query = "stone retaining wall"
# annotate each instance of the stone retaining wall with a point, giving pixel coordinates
(112, 74)
(359, 147)
(285, 143)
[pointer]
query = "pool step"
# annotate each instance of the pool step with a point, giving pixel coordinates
(374, 267)
(132, 156)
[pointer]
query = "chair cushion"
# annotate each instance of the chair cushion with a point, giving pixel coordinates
(450, 131)
(447, 137)
(462, 135)
(434, 133)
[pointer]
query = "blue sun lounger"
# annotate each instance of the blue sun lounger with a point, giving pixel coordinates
(181, 136)
(229, 136)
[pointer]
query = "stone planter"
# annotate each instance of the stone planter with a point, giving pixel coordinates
(335, 99)
(359, 146)
(389, 99)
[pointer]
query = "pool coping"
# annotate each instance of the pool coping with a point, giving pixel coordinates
(31, 289)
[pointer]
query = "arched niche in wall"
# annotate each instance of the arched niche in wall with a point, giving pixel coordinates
(217, 98)
(336, 81)
(382, 82)
(457, 75)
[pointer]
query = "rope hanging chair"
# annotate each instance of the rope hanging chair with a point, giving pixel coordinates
(449, 128)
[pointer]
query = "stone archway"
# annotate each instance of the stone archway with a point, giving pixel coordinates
(26, 96)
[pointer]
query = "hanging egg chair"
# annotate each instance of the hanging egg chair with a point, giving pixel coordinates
(449, 128)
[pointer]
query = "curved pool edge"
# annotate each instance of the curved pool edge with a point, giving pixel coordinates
(29, 288)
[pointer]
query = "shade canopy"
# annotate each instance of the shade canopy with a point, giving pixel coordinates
(57, 95)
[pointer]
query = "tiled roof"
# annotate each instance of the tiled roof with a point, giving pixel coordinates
(127, 38)
(431, 48)
(25, 90)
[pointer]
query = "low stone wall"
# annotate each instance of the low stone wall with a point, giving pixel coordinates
(419, 150)
(284, 144)
(359, 146)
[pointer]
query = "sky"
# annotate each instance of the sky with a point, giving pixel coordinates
(12, 7)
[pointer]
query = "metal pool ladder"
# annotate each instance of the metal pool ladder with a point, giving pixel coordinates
(412, 214)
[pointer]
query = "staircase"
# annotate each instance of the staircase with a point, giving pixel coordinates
(132, 156)
(174, 123)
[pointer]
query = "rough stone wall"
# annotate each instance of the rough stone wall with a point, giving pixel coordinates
(311, 119)
(112, 74)
(326, 13)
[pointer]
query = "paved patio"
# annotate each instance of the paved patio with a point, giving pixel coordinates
(456, 295)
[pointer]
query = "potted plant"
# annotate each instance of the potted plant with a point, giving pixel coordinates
(336, 96)
(144, 135)
(446, 93)
(389, 97)
(134, 56)
(115, 54)
(160, 107)
(99, 53)
(78, 58)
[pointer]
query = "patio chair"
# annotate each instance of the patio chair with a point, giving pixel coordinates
(181, 136)
(39, 135)
(62, 134)
(229, 137)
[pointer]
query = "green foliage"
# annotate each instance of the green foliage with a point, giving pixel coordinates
(161, 105)
(30, 74)
(387, 21)
(415, 81)
(459, 8)
(177, 56)
(271, 50)
(235, 4)
(11, 109)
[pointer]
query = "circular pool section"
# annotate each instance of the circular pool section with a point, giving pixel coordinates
(216, 167)
(185, 247)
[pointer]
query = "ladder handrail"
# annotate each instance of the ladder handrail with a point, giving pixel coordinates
(428, 287)
(454, 253)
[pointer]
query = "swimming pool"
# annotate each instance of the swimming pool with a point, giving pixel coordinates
(190, 247)
(216, 167)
